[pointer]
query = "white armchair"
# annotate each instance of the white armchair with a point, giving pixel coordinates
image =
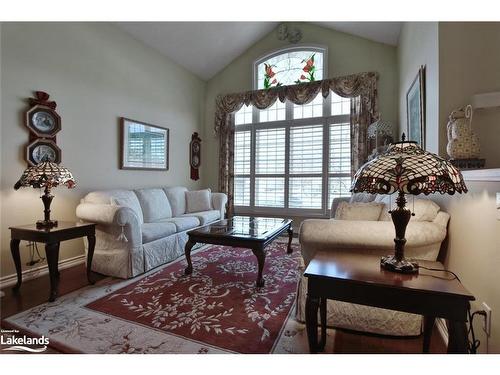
(425, 234)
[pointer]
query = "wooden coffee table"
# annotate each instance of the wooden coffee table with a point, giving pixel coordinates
(358, 278)
(249, 232)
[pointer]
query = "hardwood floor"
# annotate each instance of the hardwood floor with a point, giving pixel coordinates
(35, 292)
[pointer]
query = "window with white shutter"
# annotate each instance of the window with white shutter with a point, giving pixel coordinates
(292, 159)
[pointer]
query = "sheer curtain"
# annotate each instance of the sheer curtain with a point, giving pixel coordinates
(361, 87)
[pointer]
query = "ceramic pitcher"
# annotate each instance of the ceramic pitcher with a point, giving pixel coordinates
(463, 143)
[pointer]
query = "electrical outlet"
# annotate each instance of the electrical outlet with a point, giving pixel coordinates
(487, 319)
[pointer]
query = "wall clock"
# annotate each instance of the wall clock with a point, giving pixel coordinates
(42, 150)
(195, 156)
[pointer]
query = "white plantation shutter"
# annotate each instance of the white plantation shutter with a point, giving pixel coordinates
(242, 144)
(292, 159)
(306, 166)
(340, 148)
(306, 149)
(269, 191)
(339, 177)
(270, 151)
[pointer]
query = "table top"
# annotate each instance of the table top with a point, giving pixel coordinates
(61, 226)
(243, 227)
(365, 269)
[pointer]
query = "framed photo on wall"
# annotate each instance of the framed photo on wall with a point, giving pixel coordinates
(415, 109)
(144, 146)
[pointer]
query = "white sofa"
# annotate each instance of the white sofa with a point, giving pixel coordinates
(425, 234)
(138, 230)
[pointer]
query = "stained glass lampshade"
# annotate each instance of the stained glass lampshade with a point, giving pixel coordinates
(46, 175)
(406, 168)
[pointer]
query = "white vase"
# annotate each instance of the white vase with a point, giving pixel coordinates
(463, 143)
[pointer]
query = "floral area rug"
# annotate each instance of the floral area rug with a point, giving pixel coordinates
(216, 309)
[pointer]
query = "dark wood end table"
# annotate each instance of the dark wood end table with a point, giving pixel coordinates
(52, 238)
(358, 278)
(249, 232)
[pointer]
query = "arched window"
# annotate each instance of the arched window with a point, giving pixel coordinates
(292, 159)
(290, 66)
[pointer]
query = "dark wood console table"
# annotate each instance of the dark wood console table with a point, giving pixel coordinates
(358, 278)
(52, 237)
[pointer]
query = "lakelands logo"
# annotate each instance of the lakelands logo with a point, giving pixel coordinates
(23, 343)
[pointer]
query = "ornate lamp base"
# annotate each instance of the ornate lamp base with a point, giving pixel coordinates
(46, 223)
(390, 263)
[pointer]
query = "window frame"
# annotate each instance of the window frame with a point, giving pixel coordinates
(298, 47)
(288, 124)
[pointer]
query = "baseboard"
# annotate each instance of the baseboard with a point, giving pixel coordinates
(442, 329)
(39, 271)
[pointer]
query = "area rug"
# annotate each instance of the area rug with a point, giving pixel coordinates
(216, 309)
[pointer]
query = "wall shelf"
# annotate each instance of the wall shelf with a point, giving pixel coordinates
(492, 174)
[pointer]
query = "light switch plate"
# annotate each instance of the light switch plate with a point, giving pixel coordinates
(498, 206)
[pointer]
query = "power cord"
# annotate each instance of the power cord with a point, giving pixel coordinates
(34, 247)
(472, 345)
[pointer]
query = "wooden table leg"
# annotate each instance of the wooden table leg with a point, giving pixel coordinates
(428, 326)
(14, 249)
(457, 341)
(322, 314)
(52, 255)
(312, 305)
(187, 253)
(261, 259)
(290, 237)
(90, 255)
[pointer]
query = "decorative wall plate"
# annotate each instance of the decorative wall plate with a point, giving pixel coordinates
(43, 121)
(42, 150)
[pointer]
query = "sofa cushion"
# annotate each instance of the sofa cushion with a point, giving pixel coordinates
(423, 208)
(154, 203)
(205, 217)
(183, 223)
(198, 200)
(126, 198)
(155, 231)
(362, 197)
(359, 211)
(177, 198)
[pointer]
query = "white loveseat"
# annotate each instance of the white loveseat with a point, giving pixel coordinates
(425, 234)
(138, 230)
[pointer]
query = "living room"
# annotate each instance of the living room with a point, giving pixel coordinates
(228, 187)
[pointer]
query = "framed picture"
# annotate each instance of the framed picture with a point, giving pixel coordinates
(144, 146)
(415, 109)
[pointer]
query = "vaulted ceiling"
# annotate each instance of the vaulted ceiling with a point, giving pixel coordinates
(205, 48)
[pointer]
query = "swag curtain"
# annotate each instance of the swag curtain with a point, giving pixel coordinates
(364, 111)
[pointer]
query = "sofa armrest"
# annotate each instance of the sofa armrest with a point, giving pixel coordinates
(335, 204)
(112, 216)
(442, 219)
(219, 201)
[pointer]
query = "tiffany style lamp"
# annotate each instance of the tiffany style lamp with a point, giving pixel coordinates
(405, 168)
(46, 175)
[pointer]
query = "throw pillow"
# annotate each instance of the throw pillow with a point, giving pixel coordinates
(369, 211)
(130, 202)
(424, 209)
(198, 200)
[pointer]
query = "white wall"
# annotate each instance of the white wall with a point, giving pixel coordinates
(469, 55)
(474, 232)
(418, 45)
(96, 73)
